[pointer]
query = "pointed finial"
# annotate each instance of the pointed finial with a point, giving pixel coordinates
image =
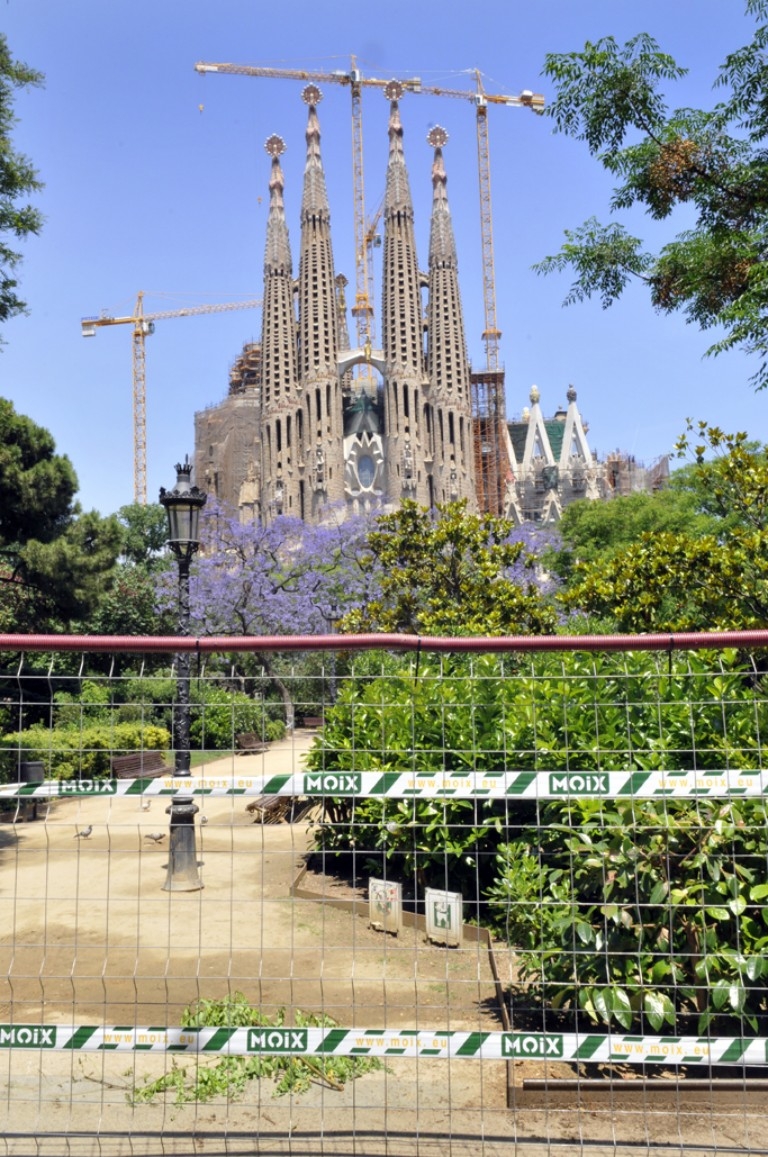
(311, 94)
(437, 137)
(393, 90)
(275, 145)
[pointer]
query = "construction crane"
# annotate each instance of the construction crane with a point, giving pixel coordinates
(362, 310)
(144, 325)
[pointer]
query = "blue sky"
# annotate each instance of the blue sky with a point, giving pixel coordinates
(156, 179)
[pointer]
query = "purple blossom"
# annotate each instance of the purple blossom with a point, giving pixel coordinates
(284, 578)
(530, 568)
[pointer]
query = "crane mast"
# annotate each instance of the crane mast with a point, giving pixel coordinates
(362, 310)
(491, 333)
(140, 403)
(144, 325)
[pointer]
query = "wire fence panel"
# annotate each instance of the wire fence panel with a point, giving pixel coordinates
(438, 903)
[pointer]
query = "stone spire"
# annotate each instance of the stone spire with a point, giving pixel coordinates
(442, 247)
(280, 378)
(314, 202)
(447, 362)
(408, 432)
(322, 425)
(277, 256)
(577, 462)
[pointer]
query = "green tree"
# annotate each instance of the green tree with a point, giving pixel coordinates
(682, 580)
(127, 603)
(594, 532)
(144, 534)
(55, 560)
(128, 606)
(17, 179)
(712, 161)
(451, 573)
(37, 484)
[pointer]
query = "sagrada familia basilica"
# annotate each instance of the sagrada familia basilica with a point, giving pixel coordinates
(312, 427)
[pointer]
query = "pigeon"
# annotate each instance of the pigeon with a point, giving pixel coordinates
(155, 837)
(84, 834)
(146, 804)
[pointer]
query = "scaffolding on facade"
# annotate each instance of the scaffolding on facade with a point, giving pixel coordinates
(489, 417)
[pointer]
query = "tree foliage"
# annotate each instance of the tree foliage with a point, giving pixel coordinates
(55, 560)
(37, 484)
(18, 179)
(681, 579)
(127, 606)
(450, 573)
(626, 911)
(712, 161)
(278, 579)
(593, 532)
(144, 534)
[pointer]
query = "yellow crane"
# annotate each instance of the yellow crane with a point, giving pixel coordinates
(353, 78)
(144, 325)
(362, 310)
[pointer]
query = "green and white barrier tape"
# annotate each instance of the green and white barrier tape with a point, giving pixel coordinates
(350, 1042)
(541, 785)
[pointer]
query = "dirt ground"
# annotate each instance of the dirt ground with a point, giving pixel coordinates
(87, 935)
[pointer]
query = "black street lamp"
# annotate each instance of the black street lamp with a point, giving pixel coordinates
(182, 506)
(332, 613)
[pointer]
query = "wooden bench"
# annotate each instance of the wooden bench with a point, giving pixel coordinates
(313, 721)
(271, 809)
(139, 765)
(249, 743)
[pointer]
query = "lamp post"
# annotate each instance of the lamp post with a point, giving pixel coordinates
(331, 612)
(182, 507)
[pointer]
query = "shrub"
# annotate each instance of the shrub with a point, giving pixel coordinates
(274, 729)
(636, 911)
(218, 715)
(82, 753)
(628, 911)
(89, 705)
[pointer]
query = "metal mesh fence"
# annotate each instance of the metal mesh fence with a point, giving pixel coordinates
(439, 902)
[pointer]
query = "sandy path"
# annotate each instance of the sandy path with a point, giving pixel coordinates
(87, 935)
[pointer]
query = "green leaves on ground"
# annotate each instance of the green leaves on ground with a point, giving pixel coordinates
(228, 1076)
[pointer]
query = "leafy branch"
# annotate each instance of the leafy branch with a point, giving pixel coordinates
(228, 1076)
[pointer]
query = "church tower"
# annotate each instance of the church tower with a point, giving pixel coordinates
(315, 429)
(280, 401)
(449, 404)
(408, 433)
(320, 415)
